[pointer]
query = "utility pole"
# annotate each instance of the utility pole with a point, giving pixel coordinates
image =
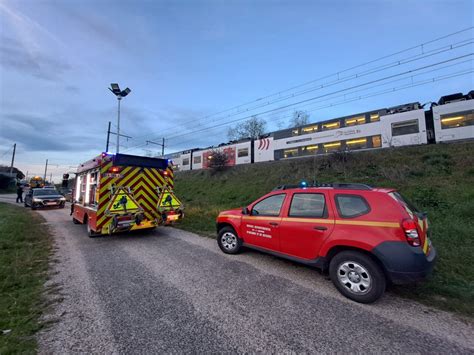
(13, 159)
(51, 179)
(108, 139)
(45, 170)
(162, 145)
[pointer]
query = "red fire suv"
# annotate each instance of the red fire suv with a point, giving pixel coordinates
(364, 236)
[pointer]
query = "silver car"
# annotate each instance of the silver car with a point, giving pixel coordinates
(45, 197)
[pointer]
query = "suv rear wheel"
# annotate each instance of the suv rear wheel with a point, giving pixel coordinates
(228, 241)
(357, 276)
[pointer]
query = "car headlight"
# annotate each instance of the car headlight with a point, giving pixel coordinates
(62, 199)
(36, 200)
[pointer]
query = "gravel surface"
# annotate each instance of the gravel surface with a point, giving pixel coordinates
(172, 291)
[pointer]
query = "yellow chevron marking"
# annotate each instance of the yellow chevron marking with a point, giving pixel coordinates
(156, 174)
(150, 183)
(141, 198)
(148, 195)
(153, 178)
(105, 168)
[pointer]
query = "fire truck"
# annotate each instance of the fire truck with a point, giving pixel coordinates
(119, 192)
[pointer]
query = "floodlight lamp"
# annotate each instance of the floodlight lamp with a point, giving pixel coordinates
(125, 92)
(115, 88)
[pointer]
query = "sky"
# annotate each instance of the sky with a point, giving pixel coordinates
(187, 62)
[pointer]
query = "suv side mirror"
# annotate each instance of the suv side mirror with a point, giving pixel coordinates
(245, 211)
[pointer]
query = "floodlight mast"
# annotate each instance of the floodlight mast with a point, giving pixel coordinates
(115, 89)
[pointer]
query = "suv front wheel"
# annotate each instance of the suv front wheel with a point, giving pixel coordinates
(228, 241)
(357, 276)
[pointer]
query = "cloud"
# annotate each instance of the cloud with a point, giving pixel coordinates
(14, 55)
(37, 133)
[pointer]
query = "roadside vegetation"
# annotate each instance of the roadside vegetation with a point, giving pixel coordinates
(25, 247)
(439, 179)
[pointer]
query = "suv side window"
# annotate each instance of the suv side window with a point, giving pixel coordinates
(350, 206)
(270, 206)
(308, 205)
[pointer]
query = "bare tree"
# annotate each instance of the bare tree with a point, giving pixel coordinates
(252, 128)
(218, 160)
(300, 118)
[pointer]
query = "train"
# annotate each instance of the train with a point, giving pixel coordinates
(449, 119)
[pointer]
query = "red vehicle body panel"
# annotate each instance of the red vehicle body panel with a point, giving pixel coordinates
(309, 238)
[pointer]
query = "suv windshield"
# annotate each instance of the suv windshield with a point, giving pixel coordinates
(45, 192)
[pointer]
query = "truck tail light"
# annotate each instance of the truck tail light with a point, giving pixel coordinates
(411, 233)
(114, 169)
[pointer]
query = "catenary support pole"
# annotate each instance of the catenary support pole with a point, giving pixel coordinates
(108, 138)
(13, 159)
(45, 170)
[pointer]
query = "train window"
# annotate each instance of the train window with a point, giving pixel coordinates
(374, 117)
(405, 127)
(289, 153)
(295, 132)
(310, 129)
(309, 149)
(376, 141)
(185, 161)
(330, 125)
(197, 160)
(459, 119)
(358, 143)
(243, 152)
(355, 121)
(330, 147)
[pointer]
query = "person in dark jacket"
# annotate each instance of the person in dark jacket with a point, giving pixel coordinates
(19, 193)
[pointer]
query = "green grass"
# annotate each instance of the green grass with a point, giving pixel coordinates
(437, 178)
(25, 247)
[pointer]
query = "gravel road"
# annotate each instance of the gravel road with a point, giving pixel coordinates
(173, 291)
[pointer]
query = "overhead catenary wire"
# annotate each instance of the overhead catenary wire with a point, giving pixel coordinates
(404, 61)
(390, 90)
(420, 46)
(326, 94)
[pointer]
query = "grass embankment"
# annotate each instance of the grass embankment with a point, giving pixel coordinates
(25, 247)
(438, 178)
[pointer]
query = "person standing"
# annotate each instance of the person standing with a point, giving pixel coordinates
(19, 193)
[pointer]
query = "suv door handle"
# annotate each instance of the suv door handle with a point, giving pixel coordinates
(273, 224)
(320, 228)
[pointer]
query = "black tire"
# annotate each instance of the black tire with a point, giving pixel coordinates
(33, 207)
(75, 221)
(229, 241)
(24, 203)
(357, 276)
(90, 232)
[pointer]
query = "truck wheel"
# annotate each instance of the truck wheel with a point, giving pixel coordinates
(228, 241)
(75, 221)
(90, 232)
(357, 276)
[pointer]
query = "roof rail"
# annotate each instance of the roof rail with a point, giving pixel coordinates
(343, 185)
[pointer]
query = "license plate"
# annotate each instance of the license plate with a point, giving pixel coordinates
(172, 217)
(51, 203)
